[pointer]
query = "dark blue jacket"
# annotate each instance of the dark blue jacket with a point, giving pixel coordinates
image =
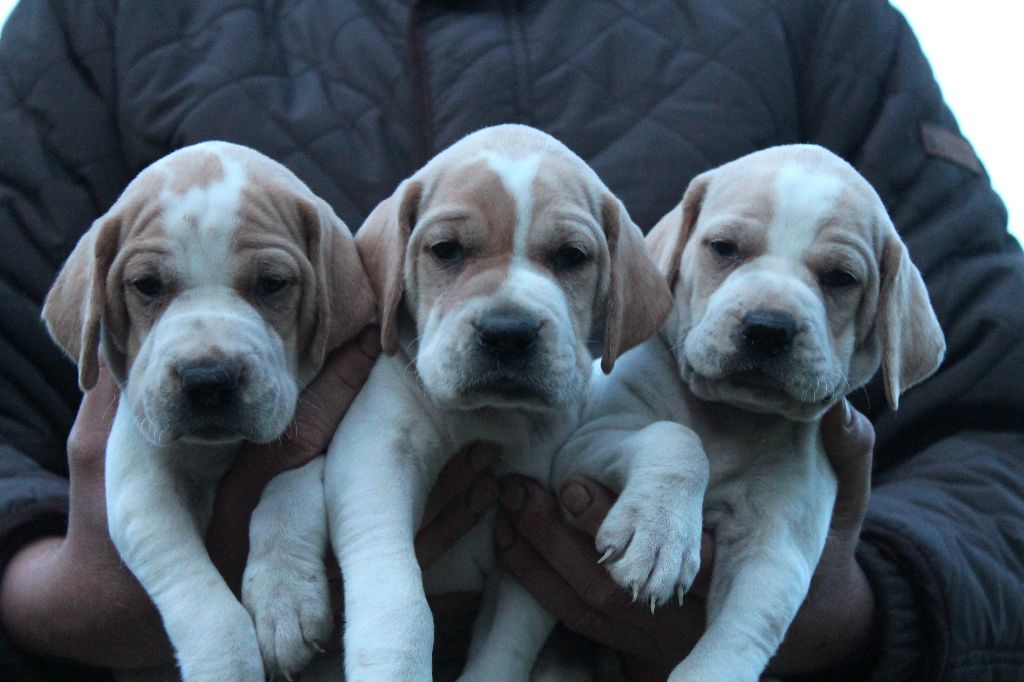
(354, 96)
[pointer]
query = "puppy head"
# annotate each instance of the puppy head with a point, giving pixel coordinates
(215, 284)
(505, 249)
(792, 286)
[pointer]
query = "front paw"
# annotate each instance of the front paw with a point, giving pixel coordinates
(651, 547)
(291, 609)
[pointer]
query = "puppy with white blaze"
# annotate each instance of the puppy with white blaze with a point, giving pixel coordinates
(791, 288)
(491, 265)
(215, 285)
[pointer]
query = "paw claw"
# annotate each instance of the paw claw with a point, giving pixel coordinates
(656, 545)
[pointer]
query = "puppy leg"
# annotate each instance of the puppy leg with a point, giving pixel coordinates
(285, 585)
(509, 633)
(375, 496)
(760, 580)
(650, 540)
(157, 516)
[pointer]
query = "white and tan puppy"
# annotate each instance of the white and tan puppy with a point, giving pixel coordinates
(491, 264)
(791, 288)
(215, 285)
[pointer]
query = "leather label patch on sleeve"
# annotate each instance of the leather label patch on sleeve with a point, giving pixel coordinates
(944, 143)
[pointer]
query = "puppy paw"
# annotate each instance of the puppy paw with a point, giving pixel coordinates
(291, 609)
(651, 548)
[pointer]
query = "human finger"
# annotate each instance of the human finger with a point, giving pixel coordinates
(455, 519)
(559, 596)
(88, 436)
(849, 440)
(458, 475)
(588, 502)
(569, 551)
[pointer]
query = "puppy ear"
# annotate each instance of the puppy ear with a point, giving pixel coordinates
(74, 307)
(382, 241)
(638, 298)
(669, 236)
(912, 341)
(344, 299)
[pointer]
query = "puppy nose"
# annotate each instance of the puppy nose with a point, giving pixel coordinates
(766, 333)
(210, 385)
(507, 335)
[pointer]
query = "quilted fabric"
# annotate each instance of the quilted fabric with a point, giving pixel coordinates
(354, 96)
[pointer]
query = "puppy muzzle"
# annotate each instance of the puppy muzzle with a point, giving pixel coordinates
(507, 358)
(769, 361)
(212, 380)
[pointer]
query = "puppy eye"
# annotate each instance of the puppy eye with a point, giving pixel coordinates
(268, 285)
(148, 287)
(447, 252)
(837, 279)
(569, 257)
(724, 249)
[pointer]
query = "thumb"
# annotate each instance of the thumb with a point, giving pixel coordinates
(587, 502)
(849, 441)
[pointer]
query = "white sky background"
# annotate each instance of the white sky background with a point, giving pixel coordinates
(977, 56)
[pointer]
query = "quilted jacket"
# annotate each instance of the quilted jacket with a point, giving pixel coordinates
(354, 96)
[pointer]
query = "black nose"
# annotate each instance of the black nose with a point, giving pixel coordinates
(211, 385)
(507, 336)
(766, 333)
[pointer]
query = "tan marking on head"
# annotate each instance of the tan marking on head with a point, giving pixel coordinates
(202, 169)
(485, 227)
(286, 231)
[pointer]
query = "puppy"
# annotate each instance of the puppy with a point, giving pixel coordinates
(491, 265)
(215, 285)
(791, 288)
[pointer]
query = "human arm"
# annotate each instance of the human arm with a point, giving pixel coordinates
(938, 544)
(59, 164)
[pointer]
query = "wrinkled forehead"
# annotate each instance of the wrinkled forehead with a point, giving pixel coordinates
(512, 192)
(209, 196)
(796, 200)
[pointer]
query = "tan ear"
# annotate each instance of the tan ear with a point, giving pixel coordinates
(344, 299)
(638, 298)
(382, 241)
(668, 238)
(912, 341)
(74, 307)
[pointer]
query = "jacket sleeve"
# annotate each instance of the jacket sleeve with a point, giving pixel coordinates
(59, 167)
(942, 543)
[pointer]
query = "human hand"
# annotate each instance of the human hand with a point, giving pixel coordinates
(558, 564)
(465, 489)
(835, 626)
(73, 597)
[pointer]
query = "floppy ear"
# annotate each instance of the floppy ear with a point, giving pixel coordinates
(74, 306)
(669, 236)
(638, 299)
(344, 299)
(912, 341)
(382, 241)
